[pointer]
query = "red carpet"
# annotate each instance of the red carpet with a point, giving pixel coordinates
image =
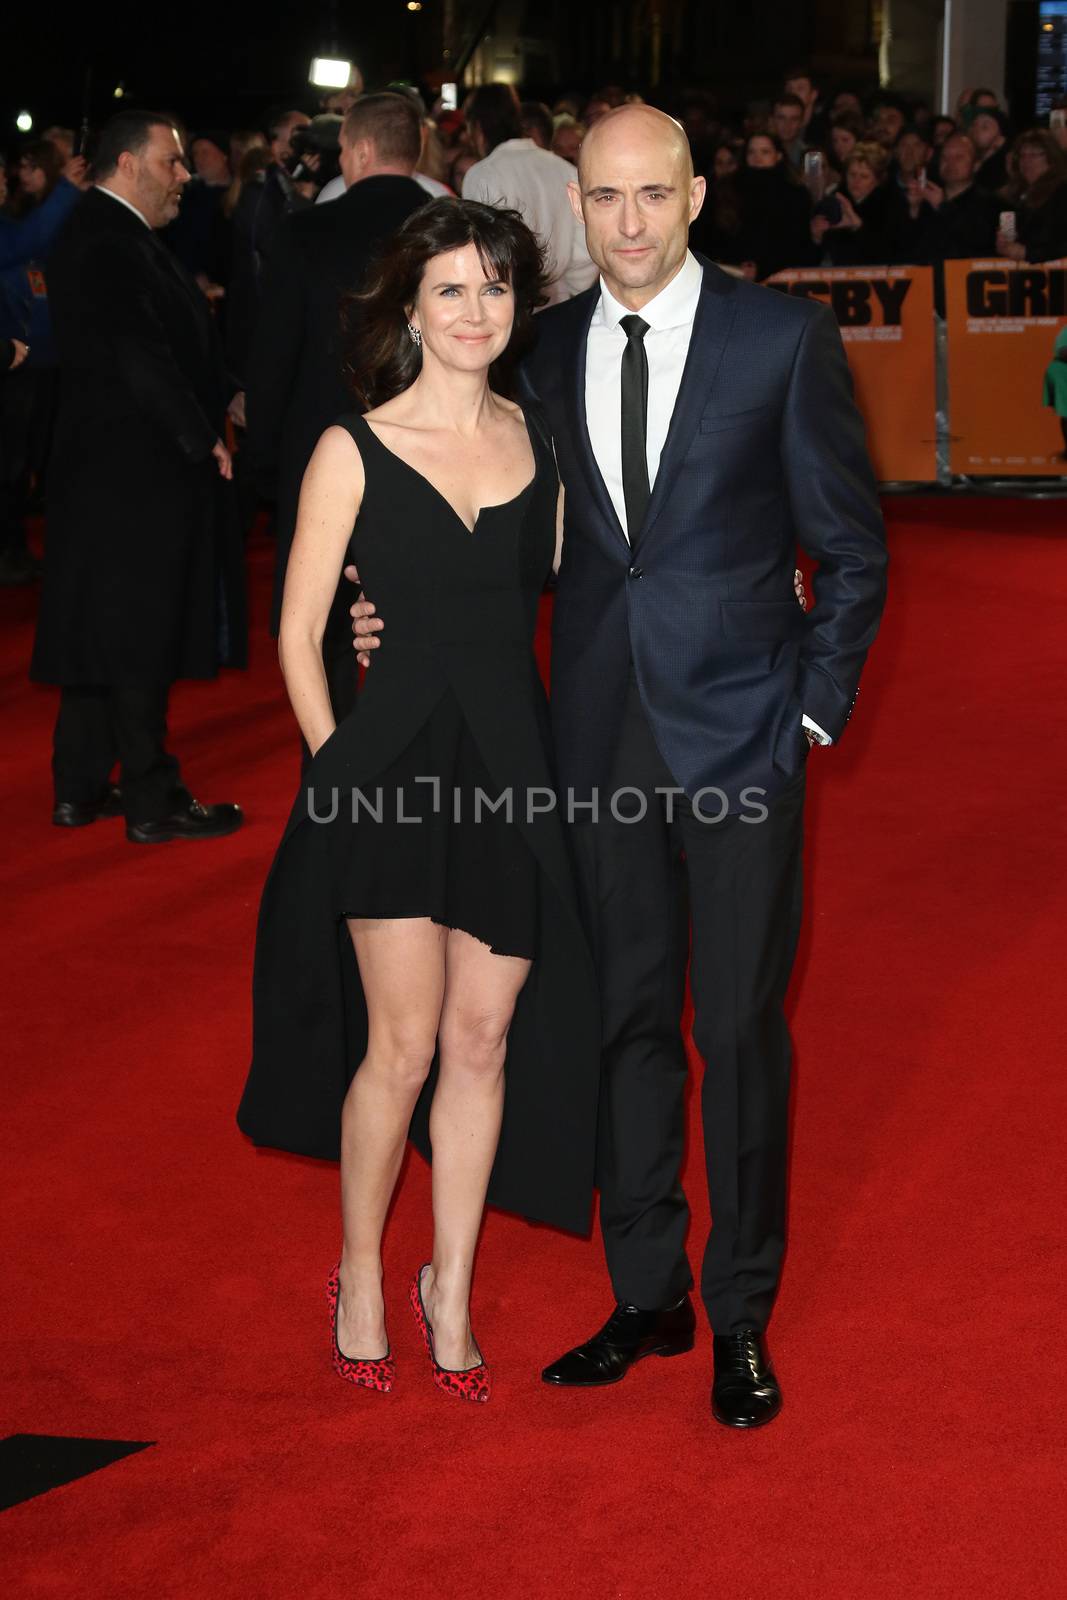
(165, 1282)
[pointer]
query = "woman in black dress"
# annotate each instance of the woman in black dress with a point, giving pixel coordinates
(419, 939)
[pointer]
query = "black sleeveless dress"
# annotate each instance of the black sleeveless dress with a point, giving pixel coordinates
(436, 797)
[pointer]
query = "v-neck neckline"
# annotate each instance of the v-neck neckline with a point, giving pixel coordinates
(501, 505)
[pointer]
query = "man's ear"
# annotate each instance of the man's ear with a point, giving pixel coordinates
(574, 195)
(696, 197)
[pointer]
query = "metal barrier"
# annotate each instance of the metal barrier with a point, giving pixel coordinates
(960, 402)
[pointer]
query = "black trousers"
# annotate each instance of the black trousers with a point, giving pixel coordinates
(726, 898)
(99, 726)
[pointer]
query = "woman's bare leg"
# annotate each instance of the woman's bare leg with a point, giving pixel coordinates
(402, 969)
(480, 994)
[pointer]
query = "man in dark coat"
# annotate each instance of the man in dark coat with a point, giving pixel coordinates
(954, 220)
(142, 580)
(295, 385)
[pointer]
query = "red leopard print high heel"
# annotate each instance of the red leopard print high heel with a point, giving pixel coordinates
(473, 1383)
(373, 1374)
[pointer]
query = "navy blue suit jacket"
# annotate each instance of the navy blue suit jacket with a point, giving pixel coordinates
(765, 452)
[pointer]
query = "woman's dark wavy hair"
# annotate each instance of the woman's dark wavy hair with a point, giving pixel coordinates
(380, 359)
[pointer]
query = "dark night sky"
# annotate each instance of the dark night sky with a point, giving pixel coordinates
(224, 63)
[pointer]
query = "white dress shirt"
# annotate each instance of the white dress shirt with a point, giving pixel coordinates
(124, 202)
(518, 173)
(670, 317)
(670, 325)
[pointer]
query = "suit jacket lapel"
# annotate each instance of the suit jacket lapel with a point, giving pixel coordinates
(575, 391)
(711, 329)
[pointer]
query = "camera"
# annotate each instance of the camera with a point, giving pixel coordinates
(830, 208)
(321, 138)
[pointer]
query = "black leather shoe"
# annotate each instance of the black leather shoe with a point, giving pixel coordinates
(73, 814)
(745, 1393)
(628, 1336)
(193, 821)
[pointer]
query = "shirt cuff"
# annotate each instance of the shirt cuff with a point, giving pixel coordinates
(821, 736)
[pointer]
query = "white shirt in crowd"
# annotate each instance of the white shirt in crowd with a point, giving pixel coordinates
(670, 316)
(337, 186)
(518, 173)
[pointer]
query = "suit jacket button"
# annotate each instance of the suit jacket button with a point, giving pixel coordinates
(636, 572)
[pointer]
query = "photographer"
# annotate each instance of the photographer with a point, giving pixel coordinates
(315, 156)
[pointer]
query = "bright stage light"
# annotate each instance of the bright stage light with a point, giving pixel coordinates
(329, 73)
(24, 122)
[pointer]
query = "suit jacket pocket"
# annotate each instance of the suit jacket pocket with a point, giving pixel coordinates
(734, 419)
(763, 619)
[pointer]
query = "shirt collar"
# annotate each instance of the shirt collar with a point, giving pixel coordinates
(673, 307)
(124, 202)
(512, 144)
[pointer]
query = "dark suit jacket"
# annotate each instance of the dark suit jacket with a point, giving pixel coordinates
(765, 452)
(263, 204)
(959, 228)
(1043, 228)
(143, 573)
(294, 385)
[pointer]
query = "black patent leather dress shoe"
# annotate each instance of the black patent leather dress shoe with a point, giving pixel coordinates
(745, 1393)
(628, 1336)
(193, 821)
(75, 814)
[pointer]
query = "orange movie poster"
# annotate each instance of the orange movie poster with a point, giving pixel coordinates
(1004, 319)
(886, 317)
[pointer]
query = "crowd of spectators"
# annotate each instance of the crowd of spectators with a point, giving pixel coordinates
(816, 176)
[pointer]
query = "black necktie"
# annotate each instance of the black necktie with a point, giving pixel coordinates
(635, 488)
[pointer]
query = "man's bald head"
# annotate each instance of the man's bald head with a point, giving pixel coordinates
(640, 131)
(636, 195)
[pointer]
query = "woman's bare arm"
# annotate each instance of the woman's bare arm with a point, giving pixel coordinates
(330, 498)
(558, 557)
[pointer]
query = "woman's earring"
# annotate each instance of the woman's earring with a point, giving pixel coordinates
(416, 335)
